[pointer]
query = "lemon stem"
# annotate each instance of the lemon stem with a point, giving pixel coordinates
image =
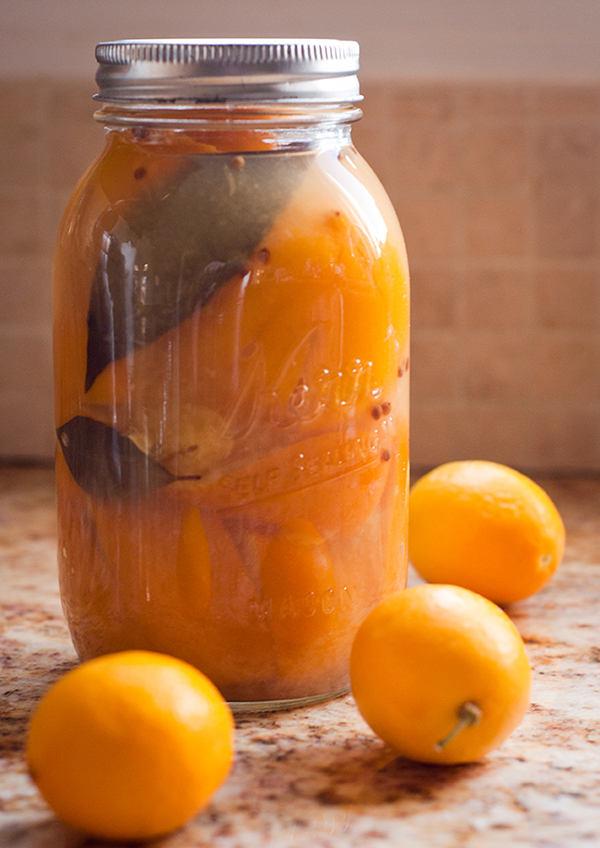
(469, 714)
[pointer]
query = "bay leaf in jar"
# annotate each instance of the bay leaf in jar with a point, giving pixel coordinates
(171, 248)
(105, 463)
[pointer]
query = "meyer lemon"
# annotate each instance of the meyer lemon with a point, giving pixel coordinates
(486, 527)
(440, 674)
(130, 745)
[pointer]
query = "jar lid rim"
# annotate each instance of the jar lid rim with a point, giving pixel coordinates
(234, 69)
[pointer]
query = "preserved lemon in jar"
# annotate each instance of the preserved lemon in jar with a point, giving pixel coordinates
(231, 358)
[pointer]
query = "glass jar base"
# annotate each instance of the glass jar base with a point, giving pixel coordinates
(239, 707)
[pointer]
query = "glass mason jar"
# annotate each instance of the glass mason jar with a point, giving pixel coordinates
(231, 349)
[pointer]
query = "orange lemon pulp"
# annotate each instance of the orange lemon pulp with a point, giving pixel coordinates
(308, 348)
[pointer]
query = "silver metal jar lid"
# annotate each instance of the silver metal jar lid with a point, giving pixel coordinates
(228, 70)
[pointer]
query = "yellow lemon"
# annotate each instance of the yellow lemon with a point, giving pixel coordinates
(486, 527)
(440, 674)
(130, 745)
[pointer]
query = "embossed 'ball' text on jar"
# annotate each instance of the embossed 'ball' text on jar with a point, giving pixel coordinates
(231, 349)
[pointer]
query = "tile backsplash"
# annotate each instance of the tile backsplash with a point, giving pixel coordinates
(497, 188)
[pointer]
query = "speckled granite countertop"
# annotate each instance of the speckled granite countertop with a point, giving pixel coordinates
(318, 776)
